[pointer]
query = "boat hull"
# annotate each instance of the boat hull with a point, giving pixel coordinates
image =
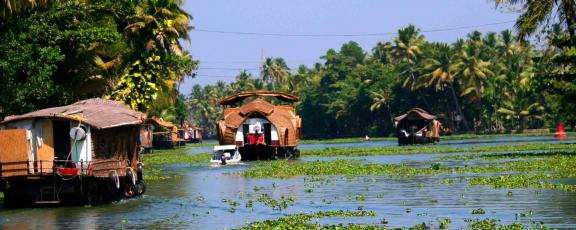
(267, 152)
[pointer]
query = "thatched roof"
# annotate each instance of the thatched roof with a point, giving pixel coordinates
(241, 96)
(162, 122)
(98, 113)
(415, 113)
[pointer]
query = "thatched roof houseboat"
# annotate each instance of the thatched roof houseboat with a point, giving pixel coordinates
(165, 135)
(417, 127)
(87, 152)
(260, 129)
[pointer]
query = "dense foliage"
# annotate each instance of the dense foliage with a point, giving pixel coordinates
(65, 51)
(490, 82)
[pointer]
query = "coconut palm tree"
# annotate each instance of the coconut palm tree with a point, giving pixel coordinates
(274, 71)
(537, 12)
(160, 24)
(474, 73)
(440, 71)
(381, 98)
(407, 45)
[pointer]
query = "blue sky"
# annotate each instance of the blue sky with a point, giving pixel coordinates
(222, 55)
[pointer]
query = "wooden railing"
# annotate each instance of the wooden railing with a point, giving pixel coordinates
(45, 167)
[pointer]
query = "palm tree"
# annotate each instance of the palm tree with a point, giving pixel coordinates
(243, 83)
(407, 45)
(537, 12)
(440, 71)
(515, 113)
(406, 50)
(274, 71)
(156, 28)
(405, 53)
(160, 23)
(298, 80)
(474, 73)
(380, 98)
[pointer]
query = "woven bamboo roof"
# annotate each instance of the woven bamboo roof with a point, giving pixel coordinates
(98, 113)
(417, 113)
(241, 96)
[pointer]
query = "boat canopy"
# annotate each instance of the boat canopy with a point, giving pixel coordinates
(415, 113)
(241, 96)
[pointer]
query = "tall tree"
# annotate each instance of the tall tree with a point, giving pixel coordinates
(159, 64)
(537, 12)
(274, 71)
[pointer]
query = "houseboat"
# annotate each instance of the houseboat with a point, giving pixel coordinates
(147, 137)
(417, 127)
(84, 153)
(260, 129)
(165, 135)
(193, 134)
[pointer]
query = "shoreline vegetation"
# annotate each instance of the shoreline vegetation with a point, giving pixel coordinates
(448, 137)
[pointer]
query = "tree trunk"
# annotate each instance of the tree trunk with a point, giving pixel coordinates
(458, 106)
(420, 93)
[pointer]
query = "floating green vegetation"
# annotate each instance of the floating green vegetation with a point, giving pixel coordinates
(444, 223)
(524, 181)
(353, 167)
(279, 205)
(492, 224)
(478, 211)
(154, 161)
(563, 150)
(347, 140)
(1, 196)
(392, 150)
(284, 169)
(522, 173)
(303, 221)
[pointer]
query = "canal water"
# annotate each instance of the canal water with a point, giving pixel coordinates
(205, 197)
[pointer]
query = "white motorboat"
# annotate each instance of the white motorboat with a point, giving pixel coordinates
(225, 154)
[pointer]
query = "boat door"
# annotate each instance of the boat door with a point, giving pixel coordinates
(268, 133)
(62, 143)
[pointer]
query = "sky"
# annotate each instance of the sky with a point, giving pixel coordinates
(223, 55)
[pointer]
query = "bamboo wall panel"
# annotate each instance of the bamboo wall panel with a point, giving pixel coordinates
(14, 148)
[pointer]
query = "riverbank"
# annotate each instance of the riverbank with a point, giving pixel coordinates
(450, 137)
